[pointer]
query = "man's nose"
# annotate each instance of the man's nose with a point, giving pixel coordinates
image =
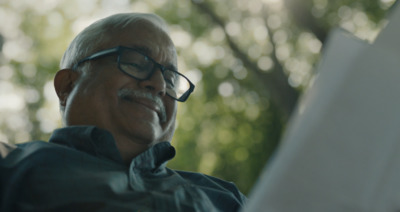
(155, 84)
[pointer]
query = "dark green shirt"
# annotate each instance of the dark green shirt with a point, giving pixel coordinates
(80, 169)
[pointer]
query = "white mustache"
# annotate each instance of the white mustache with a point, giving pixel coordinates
(129, 93)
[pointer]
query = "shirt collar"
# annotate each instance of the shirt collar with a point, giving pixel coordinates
(155, 158)
(101, 143)
(89, 139)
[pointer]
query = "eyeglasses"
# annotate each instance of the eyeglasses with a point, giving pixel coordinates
(141, 67)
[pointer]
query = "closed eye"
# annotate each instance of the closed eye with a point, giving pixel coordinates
(134, 66)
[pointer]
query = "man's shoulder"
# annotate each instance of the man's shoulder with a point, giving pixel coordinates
(6, 149)
(12, 151)
(217, 189)
(204, 179)
(210, 182)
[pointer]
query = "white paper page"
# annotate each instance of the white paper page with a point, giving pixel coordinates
(342, 149)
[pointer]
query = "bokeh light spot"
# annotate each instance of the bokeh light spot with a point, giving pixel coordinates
(265, 63)
(225, 89)
(233, 28)
(241, 154)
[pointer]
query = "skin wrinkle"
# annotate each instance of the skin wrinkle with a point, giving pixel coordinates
(130, 93)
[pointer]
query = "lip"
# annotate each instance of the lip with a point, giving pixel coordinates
(148, 104)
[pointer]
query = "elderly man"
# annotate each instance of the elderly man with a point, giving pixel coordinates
(118, 89)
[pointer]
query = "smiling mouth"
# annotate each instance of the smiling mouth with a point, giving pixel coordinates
(145, 99)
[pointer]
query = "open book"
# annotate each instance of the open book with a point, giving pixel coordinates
(341, 151)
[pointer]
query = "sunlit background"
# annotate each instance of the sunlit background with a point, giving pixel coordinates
(250, 61)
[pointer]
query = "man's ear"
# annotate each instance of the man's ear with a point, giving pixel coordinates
(63, 83)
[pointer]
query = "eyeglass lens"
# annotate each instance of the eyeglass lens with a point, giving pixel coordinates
(142, 67)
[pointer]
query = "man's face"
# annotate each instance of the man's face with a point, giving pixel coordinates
(134, 122)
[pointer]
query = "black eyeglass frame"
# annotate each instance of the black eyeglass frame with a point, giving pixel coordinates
(119, 49)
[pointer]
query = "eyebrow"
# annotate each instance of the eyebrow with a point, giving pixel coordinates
(147, 51)
(142, 49)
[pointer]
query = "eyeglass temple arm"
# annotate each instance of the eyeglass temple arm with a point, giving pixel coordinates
(96, 55)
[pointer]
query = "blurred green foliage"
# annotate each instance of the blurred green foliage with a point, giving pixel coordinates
(250, 60)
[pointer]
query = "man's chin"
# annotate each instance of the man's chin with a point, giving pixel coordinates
(145, 136)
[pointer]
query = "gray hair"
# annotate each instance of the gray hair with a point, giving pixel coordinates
(99, 32)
